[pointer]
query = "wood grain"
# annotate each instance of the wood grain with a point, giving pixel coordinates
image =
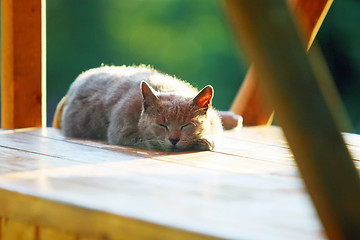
(249, 187)
(86, 238)
(17, 230)
(46, 233)
(71, 218)
(84, 189)
(308, 122)
(22, 63)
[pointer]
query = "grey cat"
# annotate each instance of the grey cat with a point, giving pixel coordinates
(138, 106)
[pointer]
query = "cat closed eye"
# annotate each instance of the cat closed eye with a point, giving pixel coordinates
(186, 125)
(162, 125)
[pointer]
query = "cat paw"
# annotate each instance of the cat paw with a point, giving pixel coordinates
(204, 144)
(230, 120)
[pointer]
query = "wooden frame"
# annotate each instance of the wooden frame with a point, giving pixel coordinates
(249, 101)
(23, 85)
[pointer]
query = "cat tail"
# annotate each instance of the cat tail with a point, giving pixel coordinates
(58, 113)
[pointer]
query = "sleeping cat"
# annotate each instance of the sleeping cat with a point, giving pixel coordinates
(138, 106)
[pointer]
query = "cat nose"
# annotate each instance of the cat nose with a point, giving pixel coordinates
(174, 141)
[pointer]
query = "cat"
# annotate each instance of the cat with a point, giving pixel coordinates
(139, 106)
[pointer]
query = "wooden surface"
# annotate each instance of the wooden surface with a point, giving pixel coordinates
(248, 188)
(290, 78)
(250, 101)
(23, 63)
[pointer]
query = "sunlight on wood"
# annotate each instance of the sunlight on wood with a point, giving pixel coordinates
(248, 188)
(14, 229)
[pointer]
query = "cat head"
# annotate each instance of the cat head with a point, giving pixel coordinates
(174, 122)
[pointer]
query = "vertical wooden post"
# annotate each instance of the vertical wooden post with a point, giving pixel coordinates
(23, 63)
(290, 81)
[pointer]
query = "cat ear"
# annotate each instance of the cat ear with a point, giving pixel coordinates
(204, 97)
(148, 94)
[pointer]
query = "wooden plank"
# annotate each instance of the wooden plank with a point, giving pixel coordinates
(257, 143)
(269, 143)
(46, 233)
(86, 238)
(255, 147)
(227, 146)
(23, 63)
(189, 192)
(196, 210)
(245, 154)
(309, 126)
(52, 133)
(16, 160)
(250, 101)
(5, 131)
(62, 149)
(94, 223)
(13, 160)
(249, 164)
(17, 230)
(272, 136)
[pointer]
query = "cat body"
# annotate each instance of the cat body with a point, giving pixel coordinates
(138, 106)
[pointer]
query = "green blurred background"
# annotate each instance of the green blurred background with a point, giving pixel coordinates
(189, 39)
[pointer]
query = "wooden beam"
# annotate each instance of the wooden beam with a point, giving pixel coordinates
(249, 101)
(310, 14)
(23, 63)
(289, 80)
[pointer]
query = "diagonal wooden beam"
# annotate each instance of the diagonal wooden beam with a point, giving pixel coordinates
(23, 64)
(249, 101)
(289, 79)
(310, 14)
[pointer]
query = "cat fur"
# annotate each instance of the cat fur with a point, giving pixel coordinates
(138, 106)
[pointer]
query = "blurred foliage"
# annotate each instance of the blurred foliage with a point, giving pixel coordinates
(188, 39)
(339, 38)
